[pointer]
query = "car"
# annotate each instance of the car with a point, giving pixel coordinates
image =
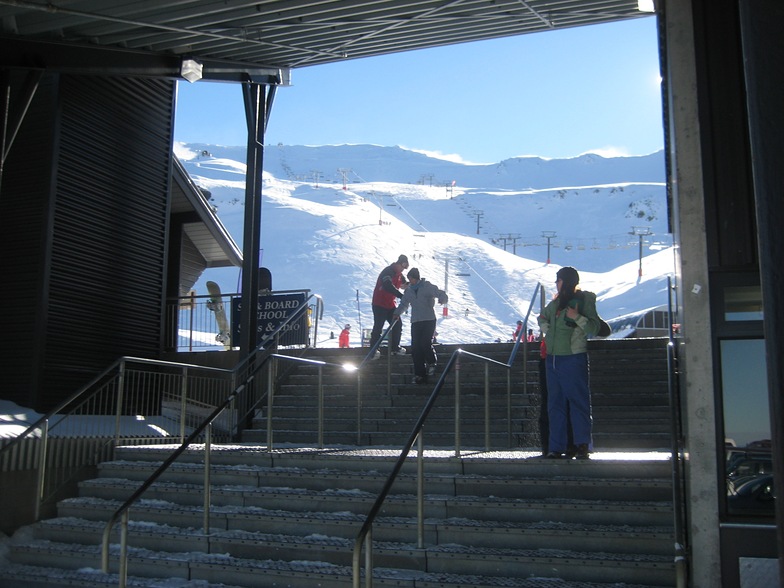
(753, 495)
(751, 466)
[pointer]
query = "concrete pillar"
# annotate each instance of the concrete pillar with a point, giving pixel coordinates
(695, 350)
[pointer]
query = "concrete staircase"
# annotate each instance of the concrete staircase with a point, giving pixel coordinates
(288, 516)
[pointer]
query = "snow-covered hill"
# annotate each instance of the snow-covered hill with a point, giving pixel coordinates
(334, 216)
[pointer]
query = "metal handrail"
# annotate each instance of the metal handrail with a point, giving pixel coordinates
(271, 390)
(538, 291)
(117, 373)
(101, 377)
(106, 392)
(365, 533)
(522, 333)
(122, 511)
(676, 438)
(274, 336)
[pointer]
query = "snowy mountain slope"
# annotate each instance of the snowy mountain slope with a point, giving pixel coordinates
(333, 241)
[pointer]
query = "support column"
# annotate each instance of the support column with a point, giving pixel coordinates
(258, 103)
(684, 151)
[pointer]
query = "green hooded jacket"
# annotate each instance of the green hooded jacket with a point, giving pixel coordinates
(560, 337)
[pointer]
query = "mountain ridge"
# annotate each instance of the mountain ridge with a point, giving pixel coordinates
(303, 162)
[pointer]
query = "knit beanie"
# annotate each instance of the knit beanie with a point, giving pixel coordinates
(569, 276)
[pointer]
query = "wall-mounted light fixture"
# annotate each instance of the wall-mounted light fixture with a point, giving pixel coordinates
(646, 5)
(191, 70)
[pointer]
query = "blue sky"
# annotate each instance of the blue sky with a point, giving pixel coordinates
(554, 94)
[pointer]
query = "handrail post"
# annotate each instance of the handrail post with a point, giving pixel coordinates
(207, 487)
(236, 407)
(420, 491)
(321, 407)
(123, 565)
(355, 567)
(487, 406)
(183, 402)
(525, 382)
(120, 400)
(389, 368)
(359, 407)
(457, 406)
(40, 482)
(270, 393)
(509, 407)
(369, 559)
(192, 307)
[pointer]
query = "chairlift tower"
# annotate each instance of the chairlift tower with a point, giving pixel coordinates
(379, 198)
(549, 235)
(640, 232)
(478, 214)
(344, 173)
(510, 237)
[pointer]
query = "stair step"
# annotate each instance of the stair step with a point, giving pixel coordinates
(390, 540)
(273, 574)
(642, 513)
(488, 565)
(443, 494)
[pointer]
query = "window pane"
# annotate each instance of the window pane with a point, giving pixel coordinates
(750, 490)
(743, 303)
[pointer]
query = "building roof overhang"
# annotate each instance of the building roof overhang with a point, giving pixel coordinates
(199, 221)
(248, 40)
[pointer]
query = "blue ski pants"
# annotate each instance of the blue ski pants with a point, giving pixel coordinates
(569, 394)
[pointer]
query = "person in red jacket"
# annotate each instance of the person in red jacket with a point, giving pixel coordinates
(385, 296)
(343, 338)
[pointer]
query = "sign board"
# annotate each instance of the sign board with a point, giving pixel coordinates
(271, 311)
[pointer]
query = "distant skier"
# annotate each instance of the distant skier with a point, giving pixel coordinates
(343, 338)
(517, 330)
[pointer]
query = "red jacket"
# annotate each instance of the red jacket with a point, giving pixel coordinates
(386, 292)
(343, 339)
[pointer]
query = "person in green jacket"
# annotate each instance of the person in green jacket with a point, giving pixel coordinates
(566, 324)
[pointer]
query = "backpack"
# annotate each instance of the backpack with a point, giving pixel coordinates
(604, 328)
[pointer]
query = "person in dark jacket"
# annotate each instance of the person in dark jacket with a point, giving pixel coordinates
(421, 296)
(385, 296)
